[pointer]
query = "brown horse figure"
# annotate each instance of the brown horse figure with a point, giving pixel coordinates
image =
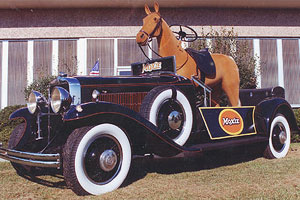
(227, 73)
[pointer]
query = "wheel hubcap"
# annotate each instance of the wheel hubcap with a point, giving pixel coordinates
(279, 137)
(103, 159)
(282, 137)
(174, 120)
(108, 160)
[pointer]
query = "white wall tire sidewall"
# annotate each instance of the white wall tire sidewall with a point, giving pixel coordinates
(87, 139)
(285, 150)
(180, 97)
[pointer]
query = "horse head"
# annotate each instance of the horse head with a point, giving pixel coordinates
(151, 26)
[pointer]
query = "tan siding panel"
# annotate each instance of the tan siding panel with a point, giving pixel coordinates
(269, 64)
(17, 72)
(291, 69)
(42, 57)
(129, 52)
(104, 51)
(67, 59)
(0, 71)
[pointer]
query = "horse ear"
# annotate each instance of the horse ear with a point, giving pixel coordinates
(156, 7)
(147, 9)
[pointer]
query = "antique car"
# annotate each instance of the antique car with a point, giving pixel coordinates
(92, 127)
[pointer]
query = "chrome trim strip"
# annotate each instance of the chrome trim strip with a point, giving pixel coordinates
(31, 159)
(29, 155)
(74, 89)
(34, 163)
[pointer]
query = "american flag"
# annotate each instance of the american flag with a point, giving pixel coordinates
(95, 70)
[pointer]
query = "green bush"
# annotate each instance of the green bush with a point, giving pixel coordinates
(6, 125)
(227, 42)
(296, 137)
(41, 85)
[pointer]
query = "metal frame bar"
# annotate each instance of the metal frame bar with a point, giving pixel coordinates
(206, 90)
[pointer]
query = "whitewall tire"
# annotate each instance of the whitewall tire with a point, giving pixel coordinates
(96, 159)
(279, 138)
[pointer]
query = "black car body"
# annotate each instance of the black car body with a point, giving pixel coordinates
(91, 127)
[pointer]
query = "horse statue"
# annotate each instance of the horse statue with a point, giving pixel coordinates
(226, 75)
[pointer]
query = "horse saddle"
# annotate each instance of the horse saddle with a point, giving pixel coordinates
(204, 61)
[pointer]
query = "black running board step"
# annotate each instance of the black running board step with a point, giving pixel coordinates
(215, 145)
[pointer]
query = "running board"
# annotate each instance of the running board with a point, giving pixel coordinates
(227, 143)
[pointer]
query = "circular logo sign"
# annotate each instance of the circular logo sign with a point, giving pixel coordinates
(231, 122)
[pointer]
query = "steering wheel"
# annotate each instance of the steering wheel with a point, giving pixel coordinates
(185, 33)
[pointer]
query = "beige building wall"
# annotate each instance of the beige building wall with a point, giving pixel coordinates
(125, 22)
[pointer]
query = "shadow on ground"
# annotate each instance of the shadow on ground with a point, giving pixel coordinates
(39, 176)
(209, 160)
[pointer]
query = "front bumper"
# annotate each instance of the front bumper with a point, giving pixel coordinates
(31, 159)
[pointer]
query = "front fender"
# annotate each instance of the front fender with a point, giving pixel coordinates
(143, 135)
(24, 114)
(21, 113)
(266, 111)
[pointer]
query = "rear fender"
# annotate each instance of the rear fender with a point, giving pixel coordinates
(143, 135)
(266, 111)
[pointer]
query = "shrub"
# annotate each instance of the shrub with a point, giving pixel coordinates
(6, 125)
(296, 137)
(40, 85)
(227, 42)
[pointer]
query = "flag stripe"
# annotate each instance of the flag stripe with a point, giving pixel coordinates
(95, 69)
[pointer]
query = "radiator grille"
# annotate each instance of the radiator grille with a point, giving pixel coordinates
(132, 100)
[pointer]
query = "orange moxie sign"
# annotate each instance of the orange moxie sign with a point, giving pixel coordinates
(231, 122)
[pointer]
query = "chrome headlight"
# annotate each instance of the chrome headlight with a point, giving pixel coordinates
(60, 99)
(35, 100)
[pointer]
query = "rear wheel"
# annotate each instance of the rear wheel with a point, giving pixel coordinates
(279, 139)
(169, 109)
(96, 159)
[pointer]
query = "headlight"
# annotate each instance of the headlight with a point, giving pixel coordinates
(35, 100)
(60, 99)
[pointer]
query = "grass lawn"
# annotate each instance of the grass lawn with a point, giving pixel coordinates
(221, 175)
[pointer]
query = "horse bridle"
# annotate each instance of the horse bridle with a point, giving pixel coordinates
(150, 35)
(150, 38)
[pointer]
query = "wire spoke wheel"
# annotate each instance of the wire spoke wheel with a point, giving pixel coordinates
(171, 118)
(103, 159)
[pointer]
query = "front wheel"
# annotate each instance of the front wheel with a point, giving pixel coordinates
(279, 138)
(96, 159)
